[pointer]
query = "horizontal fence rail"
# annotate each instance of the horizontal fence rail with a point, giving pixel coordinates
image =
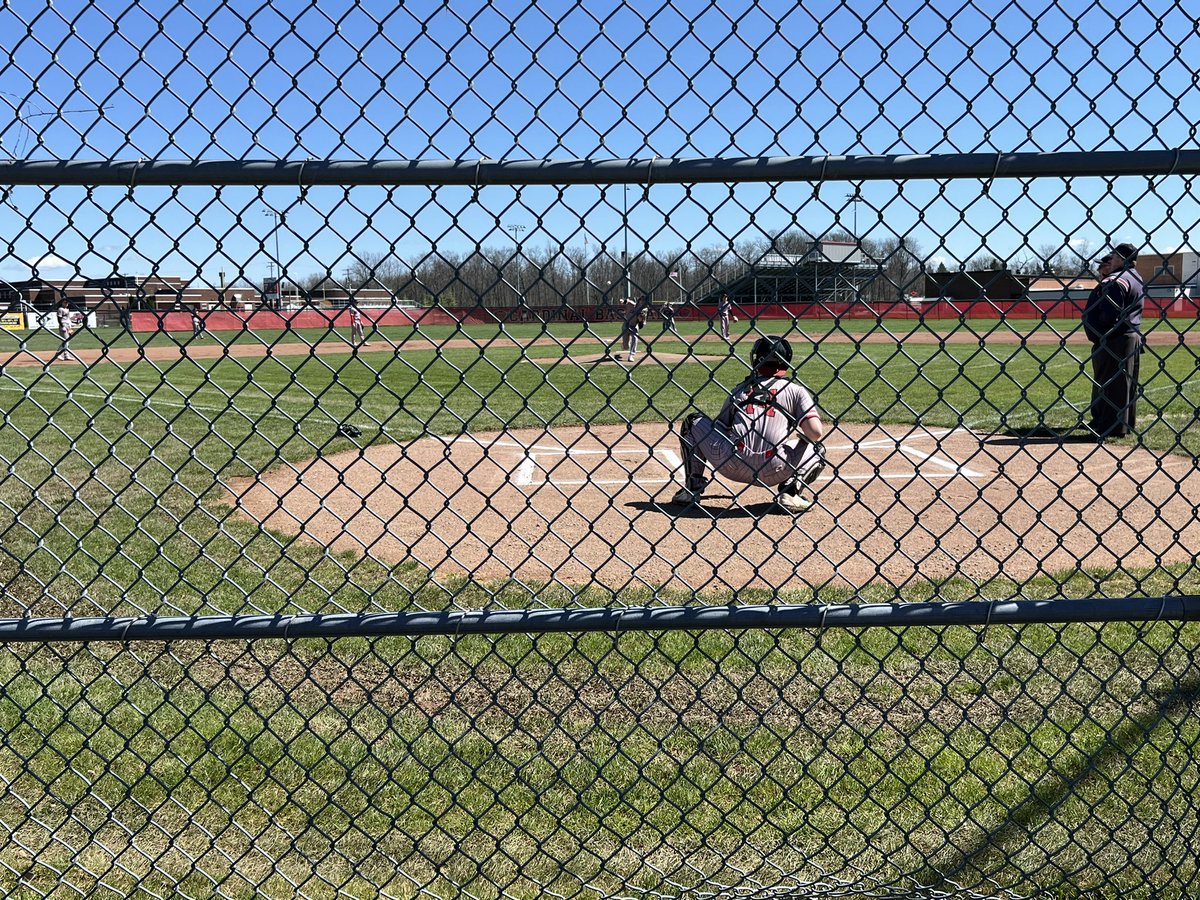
(607, 620)
(646, 172)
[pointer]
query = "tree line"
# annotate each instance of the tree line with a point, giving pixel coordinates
(546, 276)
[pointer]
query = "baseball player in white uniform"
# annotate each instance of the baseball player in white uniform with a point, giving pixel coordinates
(753, 440)
(357, 335)
(68, 323)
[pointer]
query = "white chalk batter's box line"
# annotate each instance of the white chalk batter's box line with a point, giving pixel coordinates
(530, 463)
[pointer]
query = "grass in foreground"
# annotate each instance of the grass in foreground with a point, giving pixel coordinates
(599, 763)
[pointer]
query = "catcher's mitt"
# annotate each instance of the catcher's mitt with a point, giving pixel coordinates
(348, 430)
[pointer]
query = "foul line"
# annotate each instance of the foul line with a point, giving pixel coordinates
(150, 401)
(529, 462)
(942, 461)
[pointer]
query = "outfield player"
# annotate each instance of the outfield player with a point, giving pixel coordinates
(67, 320)
(753, 440)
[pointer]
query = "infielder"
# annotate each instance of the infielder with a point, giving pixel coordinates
(751, 440)
(67, 324)
(668, 320)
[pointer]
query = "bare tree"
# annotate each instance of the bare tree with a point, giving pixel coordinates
(984, 262)
(900, 267)
(377, 269)
(795, 241)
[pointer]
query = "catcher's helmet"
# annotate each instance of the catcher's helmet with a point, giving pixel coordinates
(771, 349)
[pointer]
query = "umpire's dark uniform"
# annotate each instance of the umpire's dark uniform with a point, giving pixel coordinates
(1112, 320)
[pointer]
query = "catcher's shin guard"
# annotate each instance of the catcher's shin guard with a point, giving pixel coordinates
(693, 463)
(686, 444)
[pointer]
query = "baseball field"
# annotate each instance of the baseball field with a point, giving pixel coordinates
(520, 468)
(477, 442)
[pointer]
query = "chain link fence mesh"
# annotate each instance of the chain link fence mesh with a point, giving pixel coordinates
(321, 311)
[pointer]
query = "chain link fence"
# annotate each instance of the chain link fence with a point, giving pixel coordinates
(345, 354)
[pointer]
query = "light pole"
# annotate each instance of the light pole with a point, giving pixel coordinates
(278, 262)
(517, 231)
(854, 198)
(625, 229)
(586, 265)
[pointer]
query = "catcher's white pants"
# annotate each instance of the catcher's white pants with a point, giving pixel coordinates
(707, 442)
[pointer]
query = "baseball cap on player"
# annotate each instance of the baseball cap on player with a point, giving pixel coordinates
(1127, 252)
(771, 349)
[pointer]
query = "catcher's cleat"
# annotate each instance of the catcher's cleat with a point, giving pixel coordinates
(685, 496)
(794, 503)
(690, 492)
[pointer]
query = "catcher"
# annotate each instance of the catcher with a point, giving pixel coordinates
(750, 441)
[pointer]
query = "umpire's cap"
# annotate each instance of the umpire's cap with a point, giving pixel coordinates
(1127, 252)
(771, 349)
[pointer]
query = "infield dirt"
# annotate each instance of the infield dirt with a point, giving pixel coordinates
(591, 505)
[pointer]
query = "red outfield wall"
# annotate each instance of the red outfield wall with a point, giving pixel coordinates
(228, 320)
(267, 320)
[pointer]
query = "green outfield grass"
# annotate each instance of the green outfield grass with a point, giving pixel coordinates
(158, 435)
(111, 503)
(117, 337)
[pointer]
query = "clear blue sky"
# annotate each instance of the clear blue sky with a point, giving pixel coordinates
(342, 80)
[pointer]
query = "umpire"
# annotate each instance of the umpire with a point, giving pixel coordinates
(1112, 320)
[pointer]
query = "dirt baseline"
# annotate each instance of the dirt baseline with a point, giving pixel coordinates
(204, 348)
(582, 505)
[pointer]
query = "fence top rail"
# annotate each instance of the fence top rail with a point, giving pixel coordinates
(498, 621)
(480, 172)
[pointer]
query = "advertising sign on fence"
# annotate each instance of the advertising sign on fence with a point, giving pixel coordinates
(49, 321)
(12, 321)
